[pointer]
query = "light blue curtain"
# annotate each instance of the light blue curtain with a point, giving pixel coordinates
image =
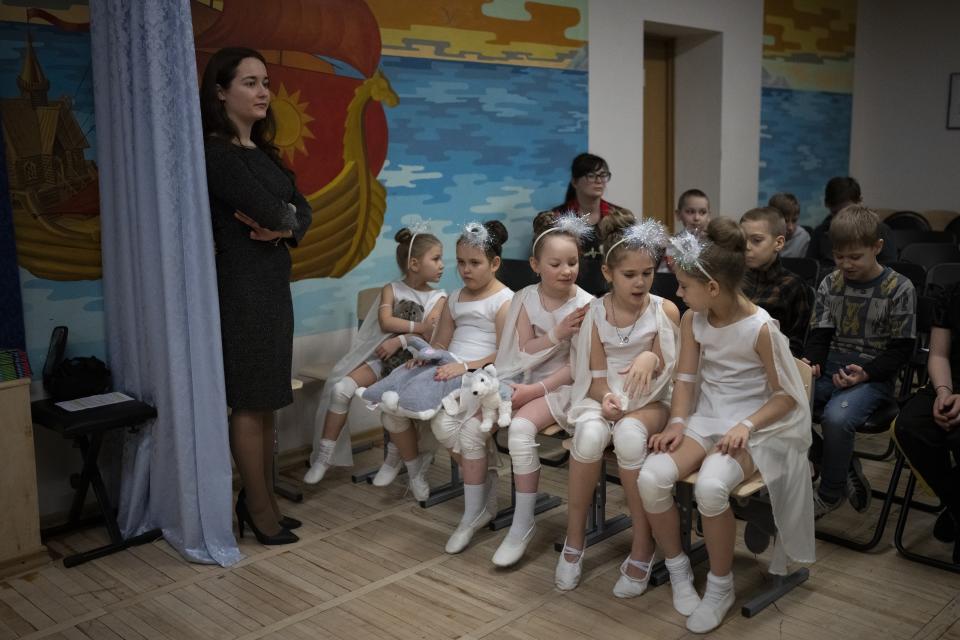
(159, 277)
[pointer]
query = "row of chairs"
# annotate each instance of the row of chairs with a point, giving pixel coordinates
(912, 220)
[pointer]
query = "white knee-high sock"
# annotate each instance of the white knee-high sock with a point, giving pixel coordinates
(473, 501)
(522, 515)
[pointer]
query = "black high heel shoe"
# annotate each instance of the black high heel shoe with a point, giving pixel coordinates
(243, 517)
(285, 521)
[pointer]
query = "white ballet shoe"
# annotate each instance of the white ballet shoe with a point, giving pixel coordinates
(417, 482)
(685, 597)
(712, 609)
(390, 468)
(629, 587)
(512, 549)
(567, 575)
(316, 472)
(464, 532)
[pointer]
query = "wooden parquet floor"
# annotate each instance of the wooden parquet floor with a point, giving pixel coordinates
(370, 564)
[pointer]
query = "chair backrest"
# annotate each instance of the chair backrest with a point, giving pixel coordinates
(365, 299)
(665, 285)
(930, 254)
(516, 274)
(591, 278)
(940, 218)
(806, 376)
(903, 238)
(907, 220)
(917, 367)
(953, 228)
(941, 276)
(916, 273)
(806, 268)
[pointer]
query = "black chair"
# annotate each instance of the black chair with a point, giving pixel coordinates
(903, 238)
(516, 274)
(953, 228)
(930, 254)
(916, 273)
(665, 285)
(942, 276)
(907, 220)
(87, 428)
(909, 503)
(806, 268)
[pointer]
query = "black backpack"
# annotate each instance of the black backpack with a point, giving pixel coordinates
(74, 377)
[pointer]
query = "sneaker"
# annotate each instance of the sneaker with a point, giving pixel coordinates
(858, 488)
(821, 507)
(390, 468)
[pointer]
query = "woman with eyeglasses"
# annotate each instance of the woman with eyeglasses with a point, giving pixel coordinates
(589, 175)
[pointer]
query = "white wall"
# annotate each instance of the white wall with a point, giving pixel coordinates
(901, 151)
(717, 95)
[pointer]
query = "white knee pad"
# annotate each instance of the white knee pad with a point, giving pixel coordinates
(590, 438)
(473, 441)
(342, 395)
(655, 482)
(446, 429)
(719, 475)
(522, 441)
(395, 424)
(630, 443)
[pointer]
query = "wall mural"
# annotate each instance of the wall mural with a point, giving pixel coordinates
(807, 99)
(486, 103)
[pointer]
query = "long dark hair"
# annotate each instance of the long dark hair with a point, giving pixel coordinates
(220, 71)
(582, 165)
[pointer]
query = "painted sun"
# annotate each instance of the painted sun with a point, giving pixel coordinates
(292, 118)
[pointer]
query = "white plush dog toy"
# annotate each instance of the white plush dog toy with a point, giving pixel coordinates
(482, 388)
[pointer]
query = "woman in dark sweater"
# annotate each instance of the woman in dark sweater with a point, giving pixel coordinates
(257, 214)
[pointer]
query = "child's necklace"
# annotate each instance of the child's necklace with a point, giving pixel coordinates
(624, 339)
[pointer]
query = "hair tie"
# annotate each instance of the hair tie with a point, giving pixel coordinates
(475, 234)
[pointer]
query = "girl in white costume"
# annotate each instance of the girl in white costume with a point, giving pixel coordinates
(751, 412)
(471, 324)
(626, 353)
(382, 336)
(535, 353)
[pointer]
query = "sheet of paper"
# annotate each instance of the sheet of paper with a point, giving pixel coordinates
(94, 401)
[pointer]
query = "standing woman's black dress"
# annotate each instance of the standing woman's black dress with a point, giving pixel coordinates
(253, 276)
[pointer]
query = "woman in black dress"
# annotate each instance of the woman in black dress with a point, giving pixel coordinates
(257, 215)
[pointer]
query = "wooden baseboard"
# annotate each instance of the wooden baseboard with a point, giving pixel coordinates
(24, 563)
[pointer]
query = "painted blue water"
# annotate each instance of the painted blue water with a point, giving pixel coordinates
(468, 142)
(804, 141)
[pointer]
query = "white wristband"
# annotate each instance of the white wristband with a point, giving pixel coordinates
(678, 420)
(686, 377)
(598, 373)
(748, 424)
(403, 340)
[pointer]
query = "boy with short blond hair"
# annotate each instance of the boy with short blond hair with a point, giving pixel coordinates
(783, 294)
(863, 331)
(795, 238)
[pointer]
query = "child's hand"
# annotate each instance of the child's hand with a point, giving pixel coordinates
(610, 407)
(814, 368)
(638, 375)
(734, 440)
(524, 393)
(448, 371)
(667, 440)
(413, 364)
(387, 348)
(568, 327)
(849, 376)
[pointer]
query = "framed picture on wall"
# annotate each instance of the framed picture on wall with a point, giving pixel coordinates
(953, 102)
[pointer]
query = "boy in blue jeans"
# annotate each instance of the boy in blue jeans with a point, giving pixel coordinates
(861, 334)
